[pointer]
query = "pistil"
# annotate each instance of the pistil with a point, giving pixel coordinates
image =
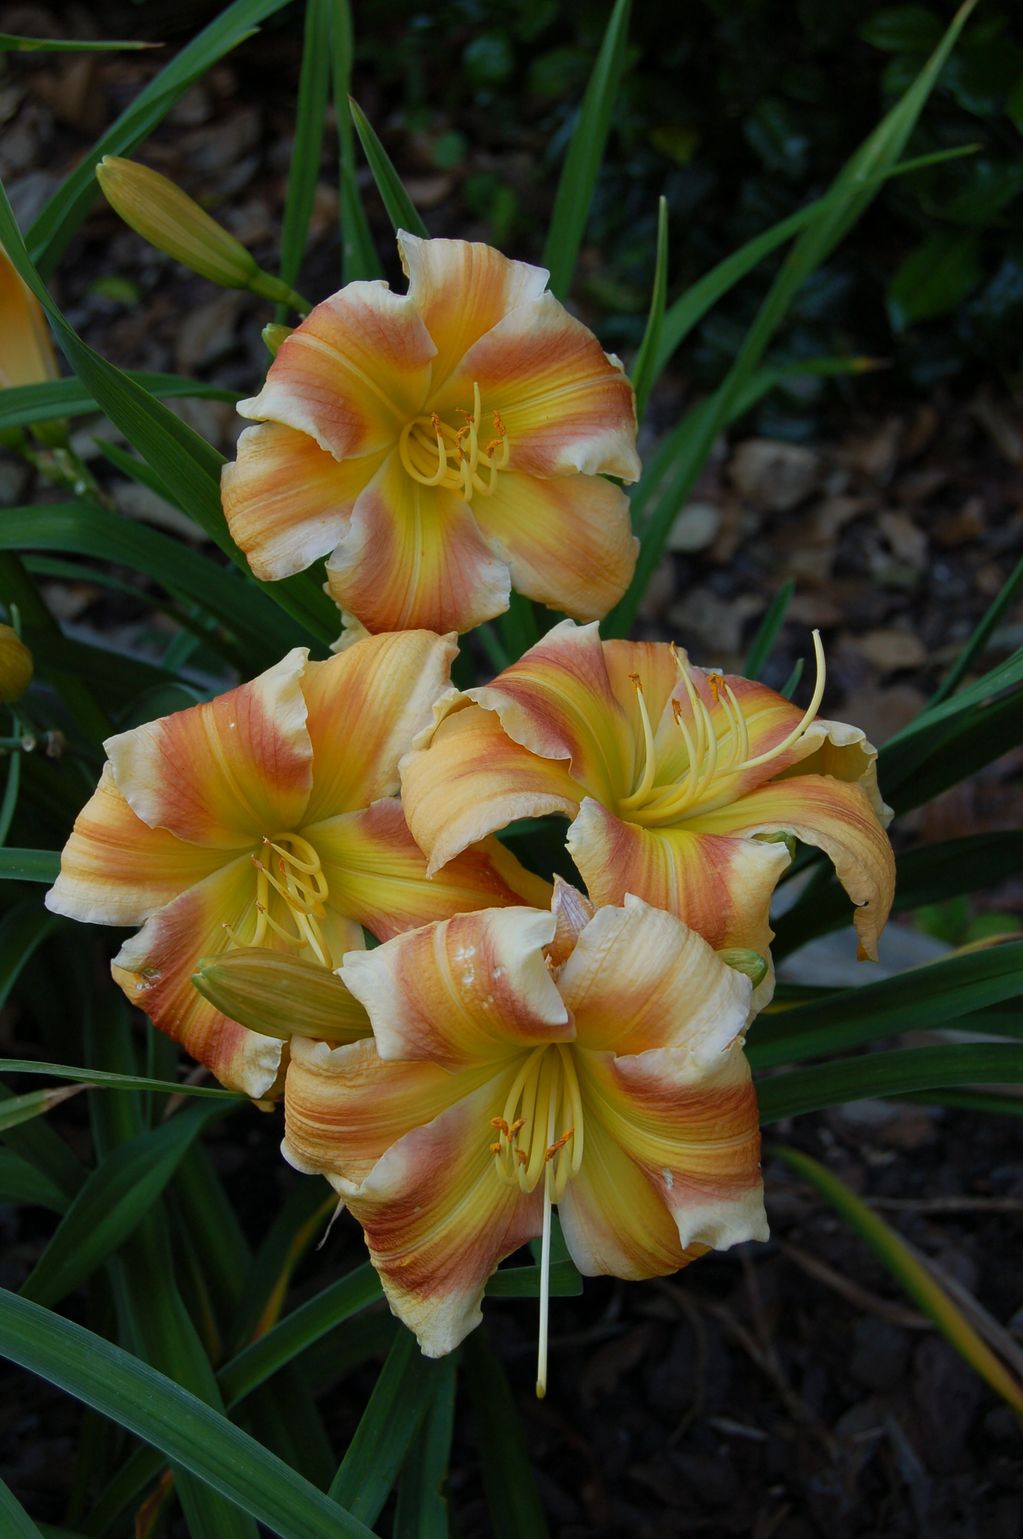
(301, 885)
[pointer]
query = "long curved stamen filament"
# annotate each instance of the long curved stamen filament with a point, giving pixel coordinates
(300, 883)
(646, 779)
(714, 755)
(435, 454)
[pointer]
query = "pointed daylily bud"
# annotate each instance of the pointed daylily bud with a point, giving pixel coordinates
(26, 351)
(281, 996)
(273, 335)
(16, 665)
(169, 219)
(750, 963)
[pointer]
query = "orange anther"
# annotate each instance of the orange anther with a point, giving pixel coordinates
(499, 426)
(520, 1155)
(714, 683)
(495, 1148)
(501, 1126)
(519, 1122)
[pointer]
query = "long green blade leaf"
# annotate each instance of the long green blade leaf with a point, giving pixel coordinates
(929, 996)
(585, 154)
(401, 211)
(51, 232)
(358, 254)
(22, 404)
(14, 1520)
(370, 1467)
(156, 1409)
(646, 358)
(512, 1497)
(885, 1074)
(29, 865)
(310, 115)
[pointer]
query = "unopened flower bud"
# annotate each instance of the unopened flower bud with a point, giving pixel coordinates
(273, 335)
(16, 666)
(158, 210)
(281, 996)
(750, 963)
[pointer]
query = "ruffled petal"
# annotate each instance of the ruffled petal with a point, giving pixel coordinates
(344, 1107)
(839, 819)
(639, 979)
(568, 542)
(474, 989)
(115, 869)
(563, 402)
(558, 702)
(473, 780)
(692, 1131)
(227, 772)
(366, 705)
(352, 374)
(376, 873)
(155, 970)
(438, 1221)
(719, 886)
(286, 500)
(412, 556)
(461, 289)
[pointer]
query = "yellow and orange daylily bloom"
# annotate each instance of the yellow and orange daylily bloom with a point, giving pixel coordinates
(523, 1059)
(27, 355)
(268, 817)
(682, 785)
(445, 445)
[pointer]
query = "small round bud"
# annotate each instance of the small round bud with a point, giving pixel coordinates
(16, 665)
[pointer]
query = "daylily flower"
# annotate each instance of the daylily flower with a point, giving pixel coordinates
(27, 355)
(522, 1059)
(683, 786)
(444, 444)
(267, 817)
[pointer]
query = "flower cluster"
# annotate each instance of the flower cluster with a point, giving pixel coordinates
(509, 1046)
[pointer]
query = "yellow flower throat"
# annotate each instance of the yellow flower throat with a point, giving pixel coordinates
(716, 751)
(300, 886)
(456, 459)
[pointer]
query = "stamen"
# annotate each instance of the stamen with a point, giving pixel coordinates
(646, 779)
(435, 454)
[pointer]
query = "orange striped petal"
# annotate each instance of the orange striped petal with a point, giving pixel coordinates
(719, 886)
(344, 1108)
(115, 869)
(558, 702)
(666, 987)
(227, 772)
(474, 779)
(461, 289)
(413, 556)
(366, 705)
(474, 989)
(564, 403)
(691, 1131)
(377, 874)
(27, 355)
(568, 542)
(438, 1221)
(286, 500)
(352, 374)
(839, 819)
(155, 970)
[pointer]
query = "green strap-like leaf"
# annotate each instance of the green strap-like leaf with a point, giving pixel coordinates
(15, 1522)
(877, 1075)
(975, 646)
(370, 1467)
(115, 1199)
(646, 357)
(911, 1272)
(51, 232)
(105, 1079)
(585, 154)
(508, 1479)
(186, 1430)
(767, 631)
(304, 166)
(422, 1508)
(23, 404)
(401, 211)
(358, 254)
(934, 995)
(21, 1181)
(854, 189)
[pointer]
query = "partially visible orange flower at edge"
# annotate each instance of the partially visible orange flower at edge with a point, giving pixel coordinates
(27, 355)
